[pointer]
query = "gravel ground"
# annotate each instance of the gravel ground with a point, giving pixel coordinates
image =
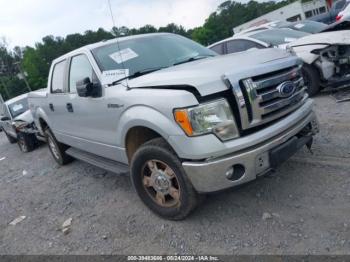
(302, 208)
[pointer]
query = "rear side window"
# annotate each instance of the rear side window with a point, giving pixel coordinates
(80, 68)
(235, 46)
(57, 82)
(218, 49)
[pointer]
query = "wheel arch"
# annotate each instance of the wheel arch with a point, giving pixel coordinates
(42, 121)
(140, 124)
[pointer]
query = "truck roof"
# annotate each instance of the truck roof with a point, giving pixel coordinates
(107, 42)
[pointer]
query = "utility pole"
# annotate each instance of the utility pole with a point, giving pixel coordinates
(4, 85)
(24, 76)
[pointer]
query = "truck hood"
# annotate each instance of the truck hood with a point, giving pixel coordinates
(25, 117)
(330, 38)
(206, 74)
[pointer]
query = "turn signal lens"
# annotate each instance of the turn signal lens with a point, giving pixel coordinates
(182, 119)
(212, 117)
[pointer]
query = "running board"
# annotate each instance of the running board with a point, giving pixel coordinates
(104, 163)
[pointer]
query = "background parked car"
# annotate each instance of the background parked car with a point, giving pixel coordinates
(307, 26)
(18, 124)
(325, 55)
(330, 17)
(345, 12)
(343, 24)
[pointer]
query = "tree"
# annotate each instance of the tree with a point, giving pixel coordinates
(36, 60)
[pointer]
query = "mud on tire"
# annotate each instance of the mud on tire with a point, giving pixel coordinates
(26, 142)
(312, 79)
(160, 181)
(57, 149)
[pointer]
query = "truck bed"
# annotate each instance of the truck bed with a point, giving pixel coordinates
(41, 93)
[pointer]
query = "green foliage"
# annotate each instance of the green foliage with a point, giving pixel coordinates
(36, 61)
(219, 25)
(10, 84)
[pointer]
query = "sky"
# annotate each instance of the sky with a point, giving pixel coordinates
(25, 22)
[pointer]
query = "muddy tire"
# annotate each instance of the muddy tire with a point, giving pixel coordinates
(160, 181)
(57, 149)
(311, 79)
(26, 142)
(11, 139)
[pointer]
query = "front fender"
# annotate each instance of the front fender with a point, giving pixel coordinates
(39, 113)
(304, 52)
(146, 117)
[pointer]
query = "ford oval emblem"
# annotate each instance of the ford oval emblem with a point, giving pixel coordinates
(286, 89)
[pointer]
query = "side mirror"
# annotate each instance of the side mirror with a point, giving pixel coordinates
(5, 118)
(86, 88)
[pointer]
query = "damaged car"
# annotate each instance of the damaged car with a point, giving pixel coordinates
(326, 56)
(18, 125)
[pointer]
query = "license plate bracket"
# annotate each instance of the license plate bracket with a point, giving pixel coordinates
(283, 152)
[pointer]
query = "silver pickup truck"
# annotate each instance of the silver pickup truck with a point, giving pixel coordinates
(183, 120)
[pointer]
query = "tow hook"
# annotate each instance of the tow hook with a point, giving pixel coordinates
(309, 145)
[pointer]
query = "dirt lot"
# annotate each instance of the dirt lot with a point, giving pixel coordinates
(303, 208)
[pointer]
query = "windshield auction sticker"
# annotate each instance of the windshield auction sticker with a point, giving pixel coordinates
(110, 76)
(123, 55)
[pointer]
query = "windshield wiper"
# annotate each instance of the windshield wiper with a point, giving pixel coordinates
(138, 73)
(193, 58)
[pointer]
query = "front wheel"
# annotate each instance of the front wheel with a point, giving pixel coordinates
(161, 182)
(11, 139)
(26, 142)
(311, 79)
(57, 149)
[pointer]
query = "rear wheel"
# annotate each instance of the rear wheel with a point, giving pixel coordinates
(161, 182)
(57, 149)
(11, 139)
(26, 142)
(311, 79)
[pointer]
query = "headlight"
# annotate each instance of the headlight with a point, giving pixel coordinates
(214, 117)
(291, 50)
(20, 124)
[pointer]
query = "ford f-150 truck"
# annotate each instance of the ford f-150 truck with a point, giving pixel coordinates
(182, 119)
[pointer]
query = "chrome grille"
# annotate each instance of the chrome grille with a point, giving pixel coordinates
(265, 98)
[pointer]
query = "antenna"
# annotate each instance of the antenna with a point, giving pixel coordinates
(117, 39)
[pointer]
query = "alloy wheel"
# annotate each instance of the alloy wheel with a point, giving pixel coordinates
(161, 183)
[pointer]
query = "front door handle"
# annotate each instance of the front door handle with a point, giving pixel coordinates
(69, 107)
(51, 107)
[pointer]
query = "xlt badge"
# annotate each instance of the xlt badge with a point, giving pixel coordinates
(114, 106)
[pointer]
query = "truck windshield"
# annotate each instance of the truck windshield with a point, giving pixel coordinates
(277, 37)
(149, 52)
(19, 107)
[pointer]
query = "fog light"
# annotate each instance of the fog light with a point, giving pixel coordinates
(229, 173)
(235, 172)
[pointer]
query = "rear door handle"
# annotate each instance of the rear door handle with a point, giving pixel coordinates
(69, 107)
(51, 107)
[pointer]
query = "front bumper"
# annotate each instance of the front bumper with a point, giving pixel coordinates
(211, 175)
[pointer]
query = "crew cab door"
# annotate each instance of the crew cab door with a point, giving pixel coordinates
(91, 126)
(57, 97)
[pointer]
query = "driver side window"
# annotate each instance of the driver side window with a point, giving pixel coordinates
(80, 68)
